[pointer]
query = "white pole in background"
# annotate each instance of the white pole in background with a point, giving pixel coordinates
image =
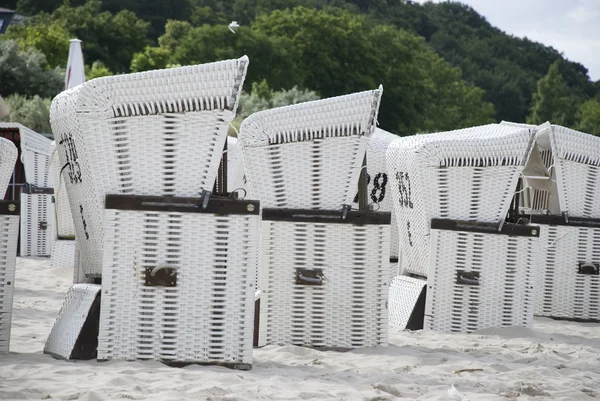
(75, 70)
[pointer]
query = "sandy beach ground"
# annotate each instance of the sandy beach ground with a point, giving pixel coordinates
(555, 360)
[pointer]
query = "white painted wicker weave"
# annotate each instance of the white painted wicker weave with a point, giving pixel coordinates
(236, 169)
(132, 134)
(505, 293)
(575, 157)
(68, 326)
(8, 245)
(8, 158)
(349, 309)
(403, 298)
(208, 316)
(65, 229)
(37, 221)
(9, 232)
(309, 155)
(64, 255)
(64, 246)
(563, 291)
(468, 174)
(379, 182)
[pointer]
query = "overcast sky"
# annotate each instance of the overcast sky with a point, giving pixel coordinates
(570, 26)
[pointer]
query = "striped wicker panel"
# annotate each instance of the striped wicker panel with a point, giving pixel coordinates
(9, 231)
(153, 133)
(36, 151)
(208, 316)
(68, 326)
(37, 224)
(36, 240)
(309, 155)
(349, 309)
(469, 174)
(563, 291)
(577, 169)
(505, 293)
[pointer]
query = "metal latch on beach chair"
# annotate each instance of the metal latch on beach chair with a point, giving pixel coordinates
(467, 278)
(162, 275)
(309, 276)
(592, 269)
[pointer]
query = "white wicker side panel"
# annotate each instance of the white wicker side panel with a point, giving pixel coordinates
(404, 293)
(379, 182)
(8, 158)
(317, 174)
(577, 163)
(65, 227)
(208, 316)
(562, 291)
(70, 320)
(505, 293)
(408, 196)
(35, 155)
(9, 230)
(236, 169)
(578, 188)
(37, 224)
(349, 309)
(64, 254)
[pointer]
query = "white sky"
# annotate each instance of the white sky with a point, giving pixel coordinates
(570, 26)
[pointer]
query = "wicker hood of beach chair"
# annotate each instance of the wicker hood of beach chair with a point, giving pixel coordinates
(131, 134)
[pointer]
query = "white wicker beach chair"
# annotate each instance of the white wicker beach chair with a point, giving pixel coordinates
(64, 248)
(565, 203)
(467, 178)
(9, 232)
(34, 191)
(324, 268)
(159, 137)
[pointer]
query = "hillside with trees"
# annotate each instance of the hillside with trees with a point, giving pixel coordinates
(442, 66)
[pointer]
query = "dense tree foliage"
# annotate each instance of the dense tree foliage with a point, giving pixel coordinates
(553, 101)
(110, 38)
(588, 116)
(32, 112)
(442, 65)
(23, 72)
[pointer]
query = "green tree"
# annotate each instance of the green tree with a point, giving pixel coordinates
(553, 101)
(338, 52)
(32, 112)
(112, 39)
(588, 117)
(263, 98)
(152, 58)
(23, 72)
(97, 70)
(44, 34)
(31, 7)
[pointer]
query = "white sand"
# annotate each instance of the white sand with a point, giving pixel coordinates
(554, 361)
